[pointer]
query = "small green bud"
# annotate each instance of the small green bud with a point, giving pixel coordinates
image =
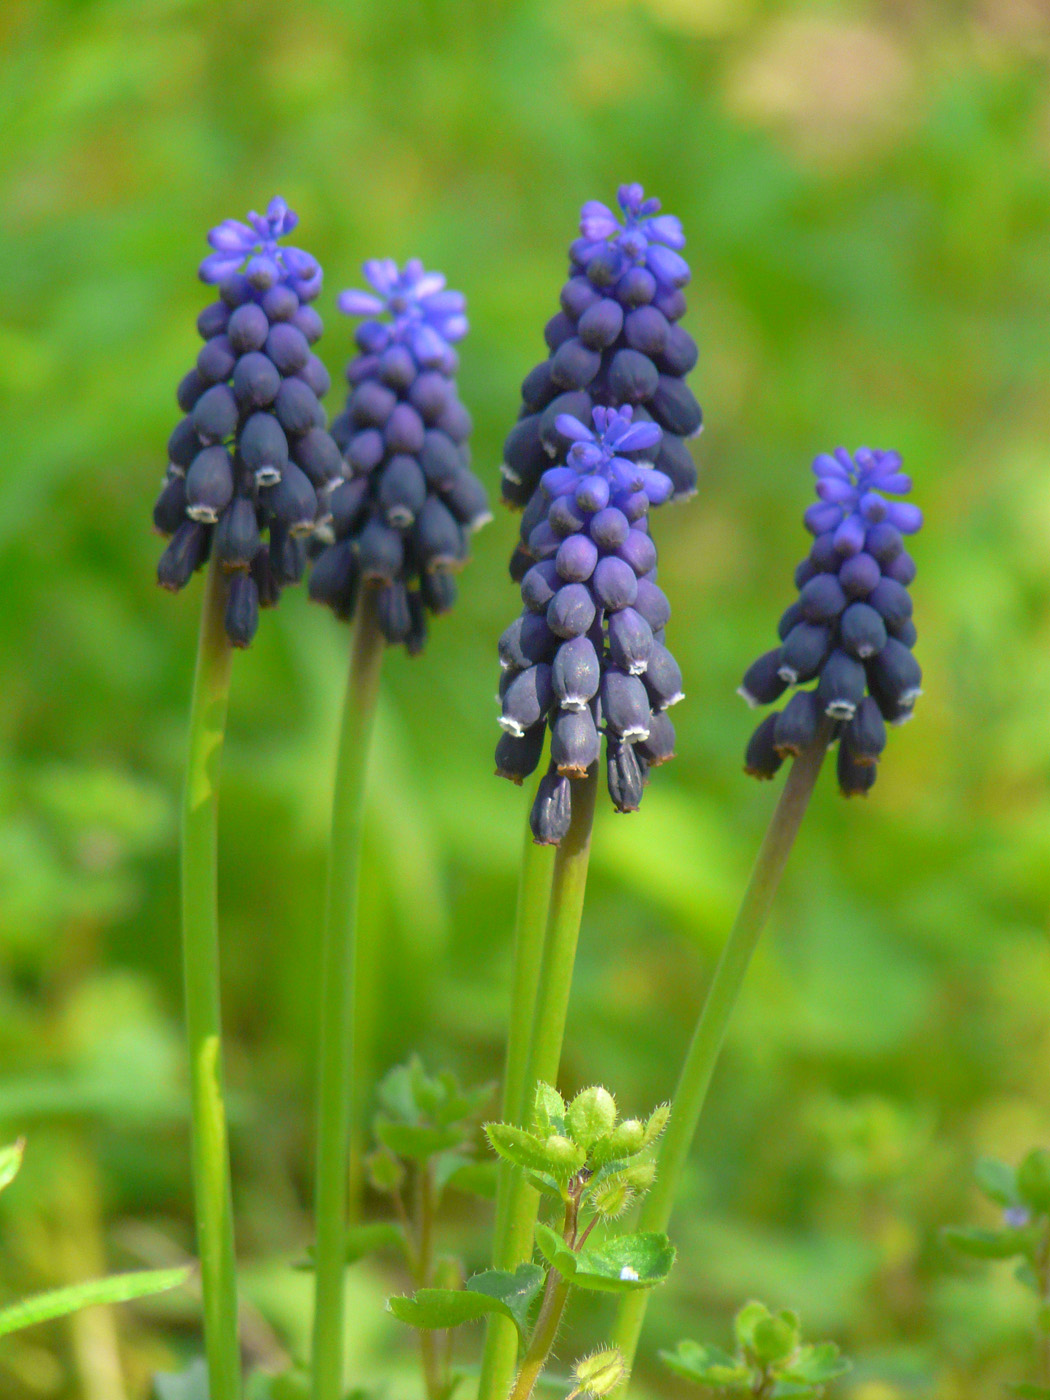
(775, 1338)
(598, 1374)
(1033, 1180)
(639, 1175)
(657, 1122)
(591, 1115)
(385, 1171)
(612, 1197)
(563, 1155)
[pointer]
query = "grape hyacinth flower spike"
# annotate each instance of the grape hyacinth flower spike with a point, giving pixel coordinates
(248, 460)
(615, 343)
(251, 459)
(849, 637)
(400, 518)
(588, 651)
(850, 631)
(396, 526)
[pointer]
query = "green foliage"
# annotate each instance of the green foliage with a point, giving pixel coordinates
(494, 1291)
(770, 1360)
(61, 1302)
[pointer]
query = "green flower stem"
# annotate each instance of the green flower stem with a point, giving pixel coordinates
(200, 954)
(543, 1336)
(337, 1000)
(530, 926)
(553, 984)
(714, 1018)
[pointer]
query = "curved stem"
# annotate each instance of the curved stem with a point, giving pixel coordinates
(337, 998)
(553, 985)
(530, 926)
(718, 1007)
(200, 956)
(543, 1336)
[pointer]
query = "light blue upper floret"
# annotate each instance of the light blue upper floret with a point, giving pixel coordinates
(424, 315)
(852, 493)
(598, 453)
(644, 237)
(257, 242)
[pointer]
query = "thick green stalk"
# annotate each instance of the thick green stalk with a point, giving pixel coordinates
(200, 956)
(337, 1001)
(554, 983)
(530, 926)
(714, 1017)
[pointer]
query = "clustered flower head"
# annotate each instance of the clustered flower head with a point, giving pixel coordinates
(587, 653)
(850, 631)
(615, 343)
(252, 456)
(401, 518)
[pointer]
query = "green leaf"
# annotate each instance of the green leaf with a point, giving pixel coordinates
(775, 1338)
(626, 1263)
(514, 1293)
(555, 1155)
(549, 1109)
(510, 1295)
(705, 1365)
(554, 1249)
(415, 1141)
(367, 1239)
(590, 1116)
(60, 1302)
(986, 1244)
(190, 1384)
(396, 1092)
(626, 1140)
(11, 1162)
(997, 1181)
(815, 1364)
(1028, 1391)
(746, 1320)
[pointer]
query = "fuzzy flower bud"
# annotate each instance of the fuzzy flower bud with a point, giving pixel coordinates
(598, 1375)
(251, 460)
(400, 517)
(851, 629)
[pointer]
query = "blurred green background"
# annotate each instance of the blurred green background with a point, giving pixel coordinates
(865, 192)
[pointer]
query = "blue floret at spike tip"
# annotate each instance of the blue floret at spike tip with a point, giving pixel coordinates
(615, 342)
(400, 518)
(587, 654)
(251, 462)
(851, 630)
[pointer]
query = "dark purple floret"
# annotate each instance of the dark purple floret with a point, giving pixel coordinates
(251, 458)
(613, 343)
(583, 658)
(415, 501)
(851, 628)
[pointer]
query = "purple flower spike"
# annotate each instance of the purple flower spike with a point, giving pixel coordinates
(256, 243)
(251, 465)
(400, 522)
(425, 317)
(851, 630)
